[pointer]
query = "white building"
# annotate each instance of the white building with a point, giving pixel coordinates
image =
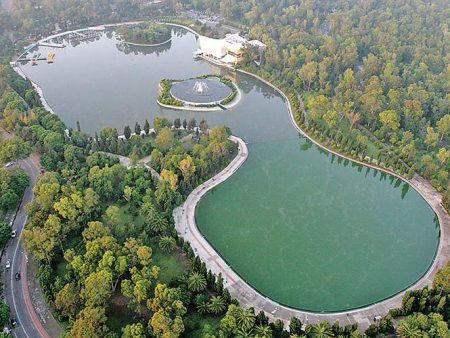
(229, 50)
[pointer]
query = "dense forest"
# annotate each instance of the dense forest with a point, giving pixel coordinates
(374, 77)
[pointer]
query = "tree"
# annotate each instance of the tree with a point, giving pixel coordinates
(443, 125)
(191, 124)
(160, 123)
(389, 119)
(127, 132)
(8, 200)
(4, 314)
(177, 123)
(91, 322)
(67, 301)
(5, 233)
(196, 282)
(167, 244)
(187, 167)
(421, 325)
(295, 326)
(146, 127)
(164, 139)
(263, 331)
(137, 289)
(216, 305)
(443, 155)
(97, 288)
(308, 73)
(135, 330)
(408, 330)
(168, 310)
(442, 279)
(170, 177)
(219, 134)
(245, 319)
(137, 129)
(184, 124)
(13, 149)
(331, 118)
(319, 330)
(431, 137)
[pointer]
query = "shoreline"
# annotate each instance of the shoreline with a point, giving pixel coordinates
(36, 87)
(250, 297)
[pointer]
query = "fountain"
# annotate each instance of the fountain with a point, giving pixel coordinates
(200, 91)
(200, 87)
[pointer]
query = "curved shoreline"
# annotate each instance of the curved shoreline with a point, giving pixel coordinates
(250, 297)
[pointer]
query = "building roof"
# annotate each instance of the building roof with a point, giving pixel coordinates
(212, 47)
(229, 59)
(257, 43)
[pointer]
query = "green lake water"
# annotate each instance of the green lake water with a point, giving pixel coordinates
(303, 227)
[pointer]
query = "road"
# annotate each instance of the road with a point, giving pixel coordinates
(17, 293)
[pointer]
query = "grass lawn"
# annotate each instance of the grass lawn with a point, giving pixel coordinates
(372, 149)
(171, 265)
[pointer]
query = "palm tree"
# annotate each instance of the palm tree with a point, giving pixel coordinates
(407, 330)
(319, 330)
(203, 307)
(245, 319)
(263, 331)
(167, 244)
(158, 223)
(196, 282)
(217, 305)
(244, 334)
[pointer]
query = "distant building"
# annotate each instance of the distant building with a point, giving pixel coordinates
(229, 50)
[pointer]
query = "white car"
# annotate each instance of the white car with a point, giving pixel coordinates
(7, 165)
(8, 264)
(13, 234)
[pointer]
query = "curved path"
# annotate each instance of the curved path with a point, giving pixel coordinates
(248, 297)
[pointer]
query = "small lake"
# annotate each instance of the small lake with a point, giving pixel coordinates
(305, 228)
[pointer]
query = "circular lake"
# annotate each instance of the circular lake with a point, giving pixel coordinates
(305, 228)
(200, 91)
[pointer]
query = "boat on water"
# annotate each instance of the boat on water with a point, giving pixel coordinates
(50, 57)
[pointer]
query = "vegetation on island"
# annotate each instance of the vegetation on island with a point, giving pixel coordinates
(165, 97)
(164, 94)
(145, 33)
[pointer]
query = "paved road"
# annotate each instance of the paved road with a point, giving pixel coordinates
(16, 293)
